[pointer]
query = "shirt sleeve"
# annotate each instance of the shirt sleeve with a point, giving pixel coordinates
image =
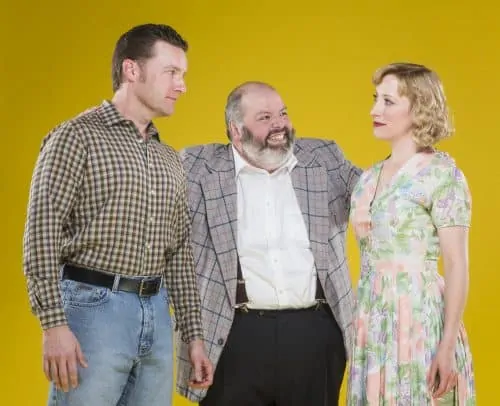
(180, 274)
(451, 200)
(53, 191)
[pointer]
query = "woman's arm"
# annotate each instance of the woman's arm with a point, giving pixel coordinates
(454, 242)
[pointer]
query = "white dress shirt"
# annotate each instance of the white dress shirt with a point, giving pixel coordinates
(273, 245)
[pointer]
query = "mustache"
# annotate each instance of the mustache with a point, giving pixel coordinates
(264, 144)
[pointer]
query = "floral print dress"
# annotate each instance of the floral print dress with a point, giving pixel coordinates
(400, 299)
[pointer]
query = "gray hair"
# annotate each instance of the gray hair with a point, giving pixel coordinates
(233, 112)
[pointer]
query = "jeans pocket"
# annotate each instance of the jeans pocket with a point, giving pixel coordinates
(79, 294)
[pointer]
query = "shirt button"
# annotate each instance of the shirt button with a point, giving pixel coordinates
(220, 341)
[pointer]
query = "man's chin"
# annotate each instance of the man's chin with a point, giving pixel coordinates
(165, 111)
(168, 112)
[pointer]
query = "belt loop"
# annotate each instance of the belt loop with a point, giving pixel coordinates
(116, 282)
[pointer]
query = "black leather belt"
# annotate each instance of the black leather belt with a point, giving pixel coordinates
(144, 286)
(273, 312)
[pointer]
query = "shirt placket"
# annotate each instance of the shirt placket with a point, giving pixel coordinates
(276, 257)
(149, 214)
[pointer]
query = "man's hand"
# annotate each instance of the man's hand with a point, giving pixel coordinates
(203, 374)
(61, 352)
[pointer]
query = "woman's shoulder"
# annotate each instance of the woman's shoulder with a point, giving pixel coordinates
(443, 162)
(445, 169)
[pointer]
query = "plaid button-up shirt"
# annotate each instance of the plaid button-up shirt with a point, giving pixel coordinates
(103, 197)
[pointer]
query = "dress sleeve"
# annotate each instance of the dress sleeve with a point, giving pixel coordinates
(451, 199)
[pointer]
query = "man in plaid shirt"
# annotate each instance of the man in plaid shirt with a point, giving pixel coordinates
(107, 239)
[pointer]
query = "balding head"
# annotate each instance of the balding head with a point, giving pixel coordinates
(234, 106)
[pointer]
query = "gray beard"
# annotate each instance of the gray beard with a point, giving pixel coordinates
(265, 157)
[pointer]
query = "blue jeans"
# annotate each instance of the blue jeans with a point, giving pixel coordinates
(127, 341)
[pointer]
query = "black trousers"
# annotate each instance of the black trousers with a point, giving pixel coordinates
(280, 358)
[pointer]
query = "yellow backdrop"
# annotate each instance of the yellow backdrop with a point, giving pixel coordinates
(56, 62)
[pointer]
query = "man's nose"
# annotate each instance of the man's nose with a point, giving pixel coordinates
(278, 122)
(181, 86)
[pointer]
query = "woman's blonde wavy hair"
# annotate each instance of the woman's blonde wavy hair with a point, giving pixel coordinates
(422, 86)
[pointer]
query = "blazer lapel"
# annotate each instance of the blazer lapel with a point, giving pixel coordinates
(310, 182)
(219, 188)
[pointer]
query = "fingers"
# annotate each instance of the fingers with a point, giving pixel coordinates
(202, 375)
(198, 371)
(443, 383)
(60, 372)
(196, 379)
(81, 358)
(62, 354)
(431, 376)
(452, 382)
(63, 373)
(73, 372)
(205, 377)
(72, 365)
(209, 372)
(46, 369)
(448, 382)
(54, 373)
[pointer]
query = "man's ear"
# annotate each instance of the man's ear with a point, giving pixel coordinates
(131, 70)
(235, 131)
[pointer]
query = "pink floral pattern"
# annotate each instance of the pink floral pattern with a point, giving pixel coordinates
(400, 298)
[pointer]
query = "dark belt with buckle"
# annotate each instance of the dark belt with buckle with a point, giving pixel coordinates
(320, 305)
(143, 286)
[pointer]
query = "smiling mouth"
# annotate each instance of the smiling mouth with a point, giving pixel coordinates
(281, 136)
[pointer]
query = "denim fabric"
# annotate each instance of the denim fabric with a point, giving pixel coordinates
(127, 341)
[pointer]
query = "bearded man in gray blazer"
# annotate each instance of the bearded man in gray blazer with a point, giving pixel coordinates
(269, 216)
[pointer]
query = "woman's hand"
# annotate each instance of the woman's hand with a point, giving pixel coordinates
(442, 376)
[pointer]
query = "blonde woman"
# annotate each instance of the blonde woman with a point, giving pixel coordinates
(410, 345)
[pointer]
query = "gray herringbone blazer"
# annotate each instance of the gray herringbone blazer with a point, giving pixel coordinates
(323, 180)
